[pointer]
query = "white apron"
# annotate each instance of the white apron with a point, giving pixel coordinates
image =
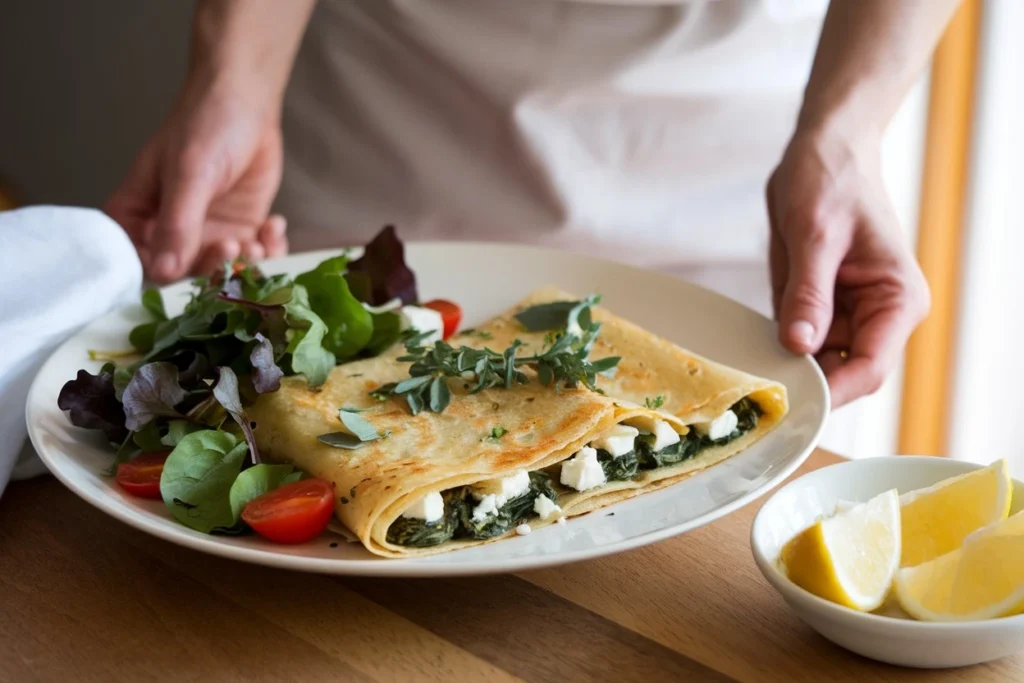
(635, 131)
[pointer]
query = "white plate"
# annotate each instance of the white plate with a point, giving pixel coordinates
(890, 636)
(485, 280)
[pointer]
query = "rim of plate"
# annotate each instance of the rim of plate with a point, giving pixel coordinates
(412, 567)
(878, 622)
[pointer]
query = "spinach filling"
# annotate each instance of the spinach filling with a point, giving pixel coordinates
(419, 533)
(621, 468)
(458, 519)
(686, 448)
(747, 412)
(509, 516)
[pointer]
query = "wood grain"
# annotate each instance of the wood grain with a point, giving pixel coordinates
(86, 598)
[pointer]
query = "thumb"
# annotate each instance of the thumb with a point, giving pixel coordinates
(807, 301)
(187, 193)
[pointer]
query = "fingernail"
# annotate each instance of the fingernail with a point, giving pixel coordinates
(802, 332)
(166, 265)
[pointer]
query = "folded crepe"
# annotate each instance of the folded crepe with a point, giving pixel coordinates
(494, 460)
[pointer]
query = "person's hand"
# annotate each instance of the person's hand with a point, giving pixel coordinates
(845, 284)
(200, 191)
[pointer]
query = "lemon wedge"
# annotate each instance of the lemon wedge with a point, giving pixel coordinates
(936, 520)
(984, 579)
(851, 557)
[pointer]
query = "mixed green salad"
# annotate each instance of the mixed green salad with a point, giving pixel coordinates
(176, 415)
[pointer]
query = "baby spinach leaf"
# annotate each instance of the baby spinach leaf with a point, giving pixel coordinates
(225, 390)
(142, 337)
(148, 438)
(197, 479)
(382, 274)
(153, 302)
(349, 325)
(386, 332)
(178, 430)
(357, 424)
(254, 482)
(309, 357)
(92, 404)
(266, 375)
(152, 392)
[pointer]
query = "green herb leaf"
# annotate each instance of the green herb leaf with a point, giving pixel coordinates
(358, 424)
(197, 479)
(654, 403)
(341, 440)
(254, 482)
(440, 395)
(153, 302)
(557, 315)
(496, 433)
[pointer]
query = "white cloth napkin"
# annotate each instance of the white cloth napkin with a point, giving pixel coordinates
(60, 268)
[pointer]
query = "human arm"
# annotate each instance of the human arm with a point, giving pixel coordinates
(846, 285)
(200, 190)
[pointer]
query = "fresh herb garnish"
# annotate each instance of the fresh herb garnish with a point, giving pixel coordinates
(357, 424)
(563, 363)
(496, 434)
(573, 316)
(654, 403)
(360, 430)
(480, 334)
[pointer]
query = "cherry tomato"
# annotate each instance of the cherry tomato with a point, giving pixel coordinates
(294, 513)
(141, 476)
(451, 314)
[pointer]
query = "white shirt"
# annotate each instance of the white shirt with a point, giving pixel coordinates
(642, 132)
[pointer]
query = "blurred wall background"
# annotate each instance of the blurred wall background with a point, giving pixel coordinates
(83, 84)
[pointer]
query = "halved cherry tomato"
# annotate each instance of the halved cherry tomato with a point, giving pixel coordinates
(293, 513)
(141, 476)
(451, 314)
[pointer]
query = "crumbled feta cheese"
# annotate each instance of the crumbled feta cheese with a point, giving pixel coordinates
(617, 441)
(422, 320)
(488, 507)
(719, 428)
(429, 508)
(561, 520)
(503, 489)
(546, 508)
(664, 436)
(582, 471)
(523, 529)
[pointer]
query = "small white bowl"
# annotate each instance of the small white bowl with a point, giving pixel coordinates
(893, 639)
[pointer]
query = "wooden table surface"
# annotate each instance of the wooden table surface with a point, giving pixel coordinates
(84, 597)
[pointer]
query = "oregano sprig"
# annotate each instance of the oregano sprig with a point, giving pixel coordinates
(564, 362)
